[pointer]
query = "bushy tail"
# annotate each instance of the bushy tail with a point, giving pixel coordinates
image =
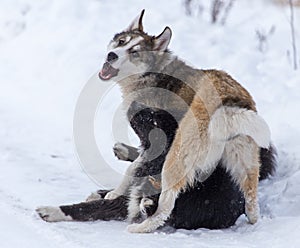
(268, 162)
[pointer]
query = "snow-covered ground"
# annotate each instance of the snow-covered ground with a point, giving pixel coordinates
(49, 49)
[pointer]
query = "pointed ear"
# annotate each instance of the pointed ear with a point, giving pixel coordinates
(162, 41)
(137, 23)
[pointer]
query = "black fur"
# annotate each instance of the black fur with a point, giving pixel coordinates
(214, 204)
(172, 84)
(237, 102)
(144, 122)
(99, 209)
(268, 161)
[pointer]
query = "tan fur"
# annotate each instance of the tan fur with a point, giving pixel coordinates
(250, 190)
(179, 167)
(173, 174)
(155, 183)
(227, 87)
(241, 156)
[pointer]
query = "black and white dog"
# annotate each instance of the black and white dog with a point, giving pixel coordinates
(218, 200)
(213, 197)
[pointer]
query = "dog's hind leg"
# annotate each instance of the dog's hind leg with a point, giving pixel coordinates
(241, 158)
(87, 211)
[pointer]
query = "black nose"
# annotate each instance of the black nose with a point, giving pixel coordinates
(111, 57)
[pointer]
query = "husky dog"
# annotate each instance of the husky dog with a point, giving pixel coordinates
(215, 133)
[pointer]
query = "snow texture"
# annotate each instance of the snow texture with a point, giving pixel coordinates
(48, 51)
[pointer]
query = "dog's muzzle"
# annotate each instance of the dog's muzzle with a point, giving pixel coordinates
(108, 71)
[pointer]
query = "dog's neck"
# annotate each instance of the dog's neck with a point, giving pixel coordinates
(160, 85)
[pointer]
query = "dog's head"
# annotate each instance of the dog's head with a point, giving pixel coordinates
(133, 51)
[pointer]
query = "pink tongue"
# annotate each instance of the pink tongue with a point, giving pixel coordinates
(105, 72)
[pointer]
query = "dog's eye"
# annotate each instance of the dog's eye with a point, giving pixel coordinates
(121, 42)
(135, 54)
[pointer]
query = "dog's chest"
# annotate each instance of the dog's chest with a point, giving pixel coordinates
(156, 130)
(153, 126)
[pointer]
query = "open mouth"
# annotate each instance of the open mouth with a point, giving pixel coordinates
(108, 72)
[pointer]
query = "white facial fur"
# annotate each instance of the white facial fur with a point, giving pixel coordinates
(123, 63)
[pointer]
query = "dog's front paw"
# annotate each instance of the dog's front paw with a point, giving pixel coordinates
(121, 151)
(52, 214)
(148, 225)
(252, 214)
(136, 228)
(111, 195)
(93, 197)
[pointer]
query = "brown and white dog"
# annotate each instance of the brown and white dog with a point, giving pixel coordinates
(217, 119)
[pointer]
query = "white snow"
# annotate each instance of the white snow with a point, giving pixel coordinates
(50, 49)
